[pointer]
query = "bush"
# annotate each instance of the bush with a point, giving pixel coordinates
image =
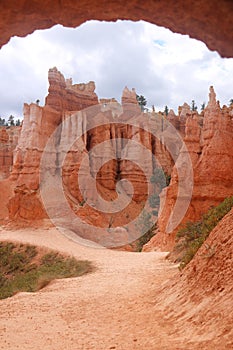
(22, 268)
(193, 234)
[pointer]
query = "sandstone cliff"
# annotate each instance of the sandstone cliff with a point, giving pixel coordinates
(202, 295)
(211, 151)
(38, 125)
(130, 152)
(66, 96)
(8, 141)
(108, 154)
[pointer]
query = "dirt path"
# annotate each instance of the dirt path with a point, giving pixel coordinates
(111, 308)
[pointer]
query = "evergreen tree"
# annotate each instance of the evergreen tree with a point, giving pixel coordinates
(142, 102)
(11, 121)
(203, 106)
(166, 110)
(2, 121)
(194, 107)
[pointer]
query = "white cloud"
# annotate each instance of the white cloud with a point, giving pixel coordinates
(167, 68)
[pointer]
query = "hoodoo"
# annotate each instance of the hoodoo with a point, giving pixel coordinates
(135, 144)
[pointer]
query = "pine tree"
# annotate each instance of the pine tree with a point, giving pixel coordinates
(142, 102)
(11, 121)
(194, 107)
(166, 110)
(203, 106)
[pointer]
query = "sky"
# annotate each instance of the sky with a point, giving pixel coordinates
(165, 67)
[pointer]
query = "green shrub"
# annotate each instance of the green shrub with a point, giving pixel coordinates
(23, 269)
(190, 238)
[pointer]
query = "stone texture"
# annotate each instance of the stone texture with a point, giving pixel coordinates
(173, 119)
(87, 171)
(136, 164)
(38, 124)
(129, 96)
(202, 292)
(133, 145)
(211, 151)
(8, 141)
(183, 16)
(65, 96)
(212, 264)
(25, 205)
(107, 100)
(185, 112)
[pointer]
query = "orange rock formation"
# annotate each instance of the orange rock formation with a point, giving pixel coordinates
(181, 16)
(65, 96)
(120, 159)
(130, 154)
(211, 151)
(201, 296)
(8, 142)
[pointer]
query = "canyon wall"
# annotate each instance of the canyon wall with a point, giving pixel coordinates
(202, 293)
(64, 113)
(108, 154)
(211, 150)
(38, 125)
(122, 158)
(8, 141)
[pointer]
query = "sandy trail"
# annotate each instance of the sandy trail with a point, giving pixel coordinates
(111, 308)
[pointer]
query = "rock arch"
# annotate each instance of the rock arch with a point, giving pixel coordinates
(209, 21)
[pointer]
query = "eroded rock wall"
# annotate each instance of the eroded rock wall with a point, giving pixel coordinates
(211, 152)
(131, 152)
(202, 294)
(8, 141)
(66, 96)
(38, 125)
(134, 145)
(198, 19)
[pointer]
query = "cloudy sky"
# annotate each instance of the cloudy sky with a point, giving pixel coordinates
(167, 68)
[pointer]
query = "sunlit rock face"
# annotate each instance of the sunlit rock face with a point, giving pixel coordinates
(8, 141)
(38, 124)
(22, 18)
(76, 139)
(134, 144)
(65, 96)
(211, 151)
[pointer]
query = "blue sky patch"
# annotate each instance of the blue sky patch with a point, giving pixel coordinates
(160, 42)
